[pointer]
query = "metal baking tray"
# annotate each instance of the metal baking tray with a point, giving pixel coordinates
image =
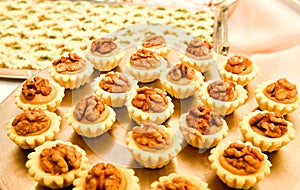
(110, 147)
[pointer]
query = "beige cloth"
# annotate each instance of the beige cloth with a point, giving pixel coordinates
(269, 32)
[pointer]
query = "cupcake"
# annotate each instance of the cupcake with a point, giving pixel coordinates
(269, 131)
(181, 81)
(280, 96)
(71, 71)
(39, 93)
(105, 54)
(155, 43)
(32, 128)
(198, 54)
(114, 88)
(145, 65)
(223, 96)
(178, 181)
(149, 105)
(238, 69)
(153, 146)
(203, 128)
(91, 117)
(239, 165)
(107, 176)
(56, 164)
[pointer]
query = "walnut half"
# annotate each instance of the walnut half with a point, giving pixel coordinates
(103, 45)
(30, 123)
(102, 177)
(181, 71)
(222, 90)
(241, 159)
(60, 159)
(71, 63)
(153, 41)
(36, 85)
(176, 183)
(270, 124)
(115, 83)
(238, 64)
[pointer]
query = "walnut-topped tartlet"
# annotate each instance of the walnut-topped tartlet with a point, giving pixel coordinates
(198, 54)
(152, 145)
(239, 165)
(203, 128)
(39, 93)
(71, 71)
(114, 88)
(268, 130)
(156, 44)
(56, 164)
(223, 96)
(145, 65)
(90, 117)
(181, 81)
(149, 105)
(107, 176)
(239, 69)
(280, 96)
(179, 181)
(105, 54)
(32, 128)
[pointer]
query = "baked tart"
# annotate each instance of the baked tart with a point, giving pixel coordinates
(145, 65)
(239, 165)
(149, 105)
(114, 88)
(152, 145)
(90, 117)
(39, 93)
(179, 181)
(71, 71)
(202, 128)
(104, 54)
(223, 96)
(198, 54)
(107, 176)
(181, 81)
(155, 43)
(56, 164)
(269, 131)
(239, 69)
(32, 128)
(280, 96)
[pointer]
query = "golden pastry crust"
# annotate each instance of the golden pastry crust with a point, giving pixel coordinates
(105, 61)
(114, 99)
(141, 116)
(241, 79)
(263, 142)
(151, 157)
(131, 180)
(193, 180)
(223, 107)
(51, 105)
(47, 179)
(30, 142)
(147, 75)
(266, 103)
(234, 180)
(199, 140)
(181, 91)
(71, 80)
(91, 129)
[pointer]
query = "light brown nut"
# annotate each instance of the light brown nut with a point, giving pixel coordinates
(103, 45)
(145, 59)
(270, 124)
(180, 71)
(176, 183)
(237, 64)
(36, 85)
(103, 176)
(149, 99)
(150, 136)
(115, 83)
(60, 159)
(89, 108)
(68, 64)
(199, 47)
(153, 41)
(222, 90)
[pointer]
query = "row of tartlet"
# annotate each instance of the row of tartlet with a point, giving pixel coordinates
(281, 84)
